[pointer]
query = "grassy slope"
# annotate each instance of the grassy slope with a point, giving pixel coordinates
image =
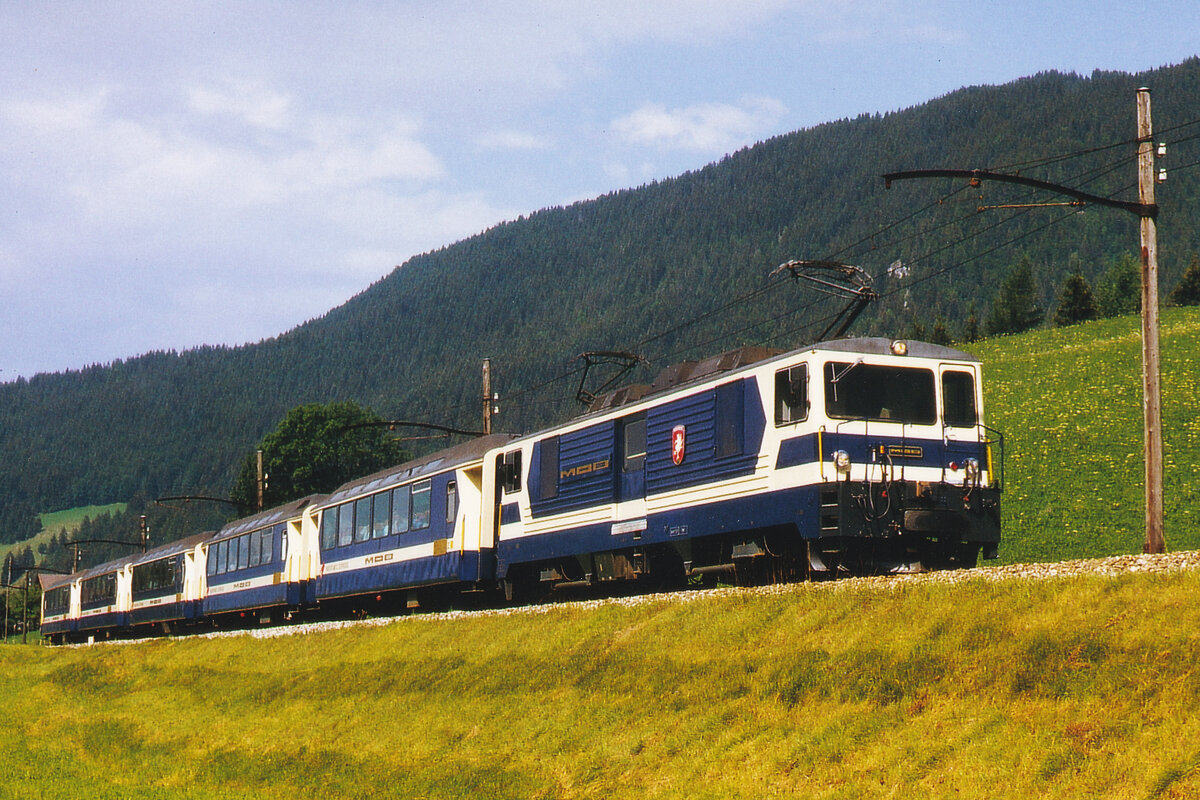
(1058, 689)
(1067, 688)
(1069, 402)
(56, 521)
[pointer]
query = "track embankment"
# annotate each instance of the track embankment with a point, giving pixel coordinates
(1107, 566)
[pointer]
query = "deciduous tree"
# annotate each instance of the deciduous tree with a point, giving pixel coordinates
(316, 448)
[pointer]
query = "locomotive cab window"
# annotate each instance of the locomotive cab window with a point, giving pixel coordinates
(958, 399)
(880, 393)
(510, 472)
(791, 395)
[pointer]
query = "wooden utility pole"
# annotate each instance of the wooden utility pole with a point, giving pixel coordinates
(1147, 211)
(260, 480)
(487, 397)
(1151, 379)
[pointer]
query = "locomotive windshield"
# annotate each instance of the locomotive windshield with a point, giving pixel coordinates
(870, 391)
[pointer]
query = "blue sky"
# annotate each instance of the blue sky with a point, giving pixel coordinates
(177, 174)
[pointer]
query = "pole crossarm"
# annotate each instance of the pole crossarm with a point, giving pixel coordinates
(978, 175)
(187, 498)
(400, 423)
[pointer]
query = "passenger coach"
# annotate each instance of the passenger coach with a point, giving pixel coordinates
(424, 524)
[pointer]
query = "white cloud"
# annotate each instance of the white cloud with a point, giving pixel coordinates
(513, 141)
(257, 106)
(705, 128)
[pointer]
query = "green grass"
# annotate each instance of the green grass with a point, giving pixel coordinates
(1068, 688)
(53, 522)
(1069, 401)
(1058, 689)
(73, 517)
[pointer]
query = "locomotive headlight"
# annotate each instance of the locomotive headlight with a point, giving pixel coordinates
(899, 348)
(971, 468)
(841, 460)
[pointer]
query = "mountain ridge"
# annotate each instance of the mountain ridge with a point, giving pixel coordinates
(623, 271)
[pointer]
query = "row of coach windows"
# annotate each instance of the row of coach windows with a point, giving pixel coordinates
(406, 508)
(241, 552)
(159, 574)
(100, 589)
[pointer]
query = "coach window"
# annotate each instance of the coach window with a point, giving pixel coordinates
(329, 526)
(451, 501)
(958, 398)
(243, 551)
(267, 550)
(400, 505)
(210, 557)
(420, 505)
(345, 524)
(634, 443)
(791, 395)
(362, 516)
(223, 557)
(255, 549)
(381, 516)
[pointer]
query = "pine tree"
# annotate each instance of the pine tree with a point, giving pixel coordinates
(1119, 291)
(1076, 303)
(1187, 291)
(941, 334)
(971, 329)
(1015, 308)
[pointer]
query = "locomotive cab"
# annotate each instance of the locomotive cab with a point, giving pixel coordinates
(908, 476)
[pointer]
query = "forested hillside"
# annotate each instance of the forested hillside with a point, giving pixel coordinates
(655, 270)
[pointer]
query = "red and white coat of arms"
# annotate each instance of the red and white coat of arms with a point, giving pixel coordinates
(678, 443)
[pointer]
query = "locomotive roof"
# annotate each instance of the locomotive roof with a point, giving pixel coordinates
(440, 461)
(879, 346)
(687, 372)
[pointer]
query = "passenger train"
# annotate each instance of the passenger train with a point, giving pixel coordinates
(846, 457)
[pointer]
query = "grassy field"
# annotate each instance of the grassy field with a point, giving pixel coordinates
(56, 521)
(1069, 401)
(1063, 688)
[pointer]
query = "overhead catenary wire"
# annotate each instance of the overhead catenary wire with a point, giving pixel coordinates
(1086, 177)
